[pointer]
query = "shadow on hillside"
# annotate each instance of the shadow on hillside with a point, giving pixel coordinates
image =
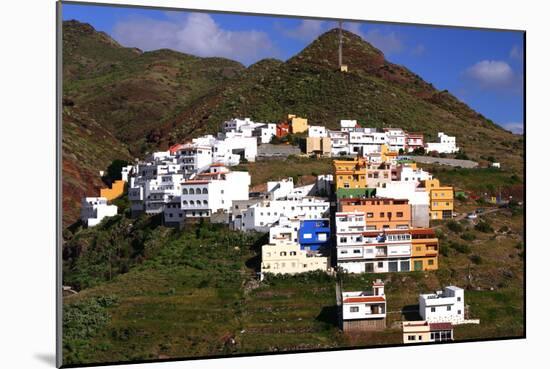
(410, 312)
(329, 315)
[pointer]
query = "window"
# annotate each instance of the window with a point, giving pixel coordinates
(283, 253)
(370, 215)
(399, 214)
(459, 298)
(380, 264)
(307, 235)
(381, 215)
(293, 253)
(356, 251)
(343, 251)
(459, 312)
(431, 262)
(432, 310)
(412, 338)
(354, 309)
(448, 308)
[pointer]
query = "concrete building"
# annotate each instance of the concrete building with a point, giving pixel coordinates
(422, 331)
(297, 124)
(284, 230)
(443, 306)
(192, 157)
(441, 199)
(418, 198)
(350, 173)
(363, 310)
(424, 249)
(359, 250)
(414, 141)
(446, 144)
(319, 146)
(286, 257)
(213, 190)
(266, 213)
(317, 131)
(314, 234)
(381, 213)
(348, 125)
(339, 141)
(94, 209)
(397, 139)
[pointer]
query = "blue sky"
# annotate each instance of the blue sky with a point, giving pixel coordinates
(483, 68)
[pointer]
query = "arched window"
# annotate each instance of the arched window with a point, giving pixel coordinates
(192, 203)
(205, 202)
(191, 191)
(198, 202)
(184, 202)
(198, 191)
(184, 191)
(205, 190)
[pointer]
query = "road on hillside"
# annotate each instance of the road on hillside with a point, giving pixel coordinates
(464, 215)
(445, 161)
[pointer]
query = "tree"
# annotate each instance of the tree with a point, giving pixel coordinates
(115, 168)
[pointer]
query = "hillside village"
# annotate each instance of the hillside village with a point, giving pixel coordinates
(372, 214)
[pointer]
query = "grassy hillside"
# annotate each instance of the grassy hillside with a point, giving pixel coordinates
(149, 292)
(197, 296)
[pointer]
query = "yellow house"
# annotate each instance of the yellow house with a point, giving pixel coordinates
(388, 156)
(297, 124)
(116, 190)
(422, 331)
(425, 249)
(286, 257)
(350, 173)
(441, 199)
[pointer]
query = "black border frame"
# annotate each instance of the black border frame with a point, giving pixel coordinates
(59, 192)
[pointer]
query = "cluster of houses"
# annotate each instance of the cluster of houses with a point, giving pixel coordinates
(354, 140)
(370, 215)
(439, 312)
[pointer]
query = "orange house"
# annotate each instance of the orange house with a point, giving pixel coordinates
(116, 190)
(381, 213)
(425, 249)
(282, 129)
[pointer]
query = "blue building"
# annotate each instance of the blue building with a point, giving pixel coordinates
(313, 234)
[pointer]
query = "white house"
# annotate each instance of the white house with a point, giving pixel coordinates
(280, 189)
(418, 197)
(339, 143)
(446, 144)
(208, 192)
(94, 209)
(359, 250)
(284, 230)
(348, 125)
(408, 174)
(317, 131)
(264, 132)
(364, 310)
(230, 150)
(443, 306)
(192, 157)
(397, 139)
(264, 214)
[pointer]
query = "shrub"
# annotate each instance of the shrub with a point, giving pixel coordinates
(484, 227)
(444, 250)
(504, 229)
(461, 247)
(476, 259)
(468, 236)
(454, 226)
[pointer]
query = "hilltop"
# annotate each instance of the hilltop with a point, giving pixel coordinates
(120, 103)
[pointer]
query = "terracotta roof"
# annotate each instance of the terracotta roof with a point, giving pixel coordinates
(194, 181)
(440, 326)
(364, 299)
(422, 231)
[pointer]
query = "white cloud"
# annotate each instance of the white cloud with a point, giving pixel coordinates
(418, 50)
(516, 53)
(492, 74)
(307, 30)
(514, 127)
(195, 33)
(388, 43)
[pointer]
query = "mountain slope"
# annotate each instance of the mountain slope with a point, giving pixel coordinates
(143, 101)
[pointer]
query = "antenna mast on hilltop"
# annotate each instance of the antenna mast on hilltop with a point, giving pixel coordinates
(340, 44)
(342, 67)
